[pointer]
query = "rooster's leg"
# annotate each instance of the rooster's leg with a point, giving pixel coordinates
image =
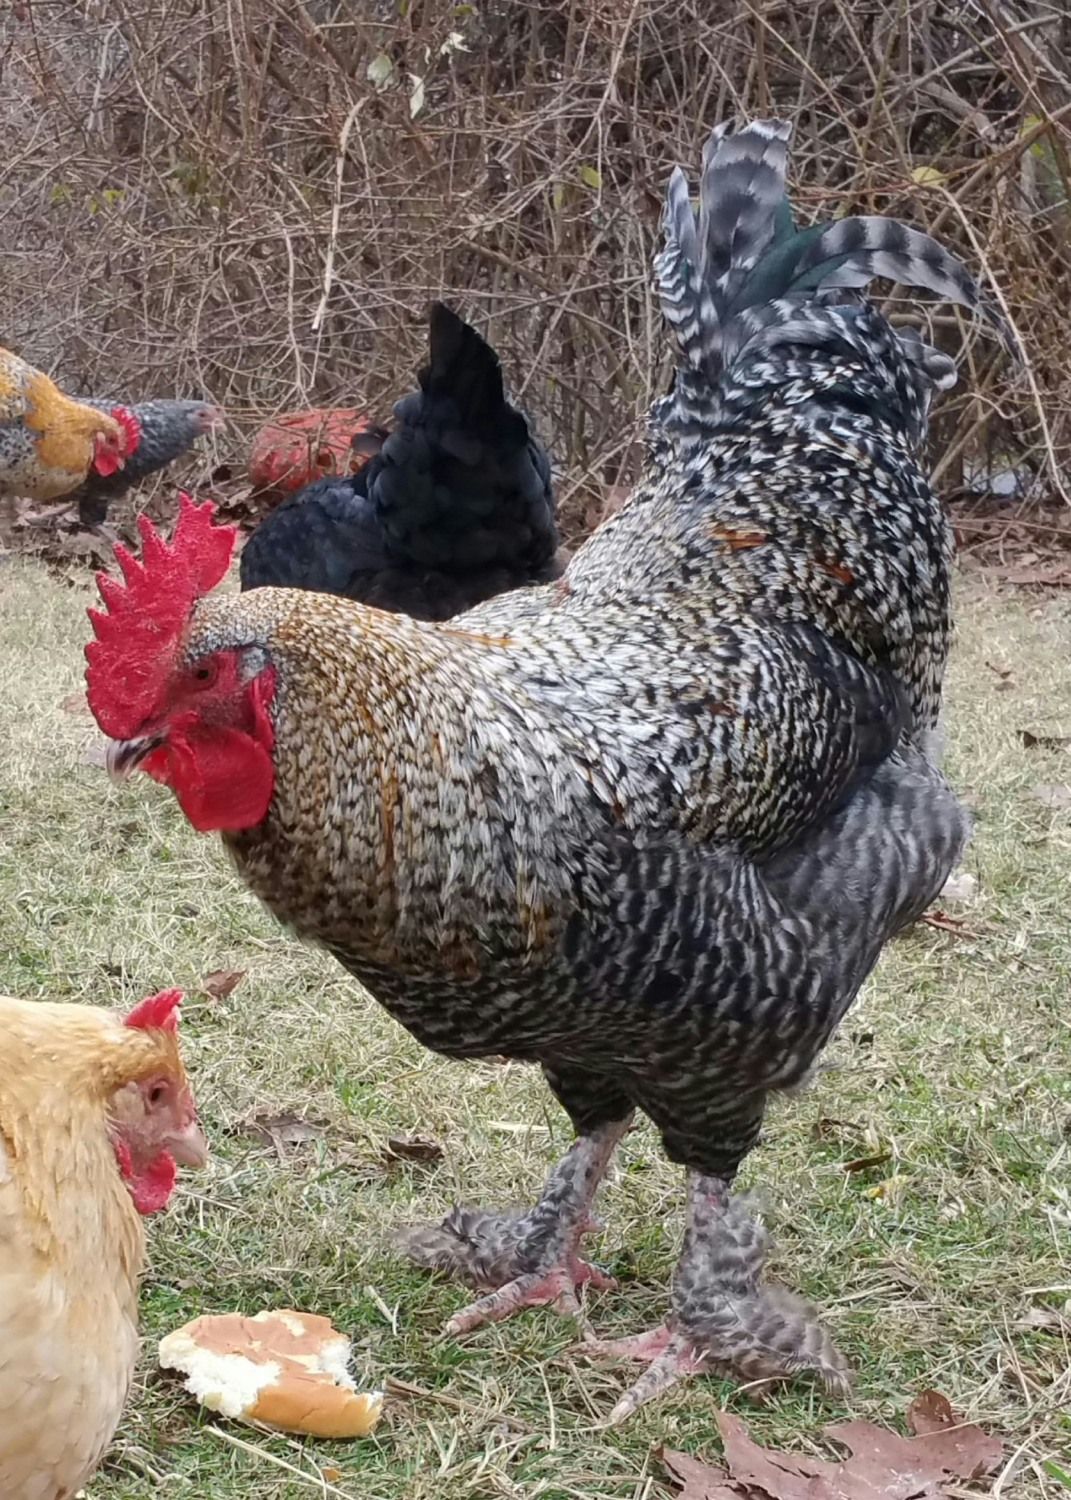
(527, 1259)
(723, 1318)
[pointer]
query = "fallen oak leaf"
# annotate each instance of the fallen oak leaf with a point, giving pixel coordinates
(864, 1163)
(700, 1481)
(412, 1148)
(1034, 741)
(882, 1465)
(954, 1449)
(222, 982)
(930, 1412)
(283, 1130)
(946, 923)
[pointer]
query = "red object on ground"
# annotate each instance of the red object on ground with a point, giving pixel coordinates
(295, 448)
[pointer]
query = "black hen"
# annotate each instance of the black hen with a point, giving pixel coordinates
(456, 507)
(166, 430)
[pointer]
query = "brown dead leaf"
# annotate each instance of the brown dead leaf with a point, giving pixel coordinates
(828, 1129)
(864, 1163)
(1044, 1320)
(930, 1412)
(412, 1148)
(1034, 741)
(882, 1465)
(700, 1481)
(283, 1130)
(1055, 575)
(1053, 794)
(222, 982)
(946, 923)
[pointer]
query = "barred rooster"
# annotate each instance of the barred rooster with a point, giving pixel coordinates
(454, 506)
(161, 431)
(649, 826)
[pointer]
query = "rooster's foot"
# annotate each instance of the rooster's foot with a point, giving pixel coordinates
(554, 1287)
(670, 1358)
(725, 1319)
(524, 1259)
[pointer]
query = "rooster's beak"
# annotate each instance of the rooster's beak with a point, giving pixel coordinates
(123, 757)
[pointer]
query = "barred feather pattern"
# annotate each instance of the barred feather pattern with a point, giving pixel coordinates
(784, 474)
(651, 825)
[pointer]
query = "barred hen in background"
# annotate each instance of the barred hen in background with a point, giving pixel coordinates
(94, 1115)
(162, 431)
(454, 507)
(51, 443)
(652, 825)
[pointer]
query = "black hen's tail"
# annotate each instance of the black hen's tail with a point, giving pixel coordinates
(462, 485)
(742, 286)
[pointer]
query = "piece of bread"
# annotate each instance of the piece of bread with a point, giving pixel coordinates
(287, 1369)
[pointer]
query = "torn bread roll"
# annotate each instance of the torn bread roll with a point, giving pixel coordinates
(287, 1369)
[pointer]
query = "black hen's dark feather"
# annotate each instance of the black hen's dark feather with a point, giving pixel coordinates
(456, 507)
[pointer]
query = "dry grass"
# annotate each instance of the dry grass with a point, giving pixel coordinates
(253, 199)
(957, 1062)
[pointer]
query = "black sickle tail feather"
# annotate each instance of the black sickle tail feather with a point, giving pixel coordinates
(744, 279)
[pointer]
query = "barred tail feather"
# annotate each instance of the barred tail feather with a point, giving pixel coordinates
(744, 271)
(852, 252)
(742, 208)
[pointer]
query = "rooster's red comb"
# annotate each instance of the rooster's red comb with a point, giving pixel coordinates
(157, 1012)
(139, 630)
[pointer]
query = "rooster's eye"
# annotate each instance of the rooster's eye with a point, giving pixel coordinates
(205, 673)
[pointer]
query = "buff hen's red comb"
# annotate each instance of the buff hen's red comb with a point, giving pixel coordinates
(139, 631)
(157, 1012)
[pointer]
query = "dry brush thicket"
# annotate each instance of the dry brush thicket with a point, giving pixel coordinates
(255, 198)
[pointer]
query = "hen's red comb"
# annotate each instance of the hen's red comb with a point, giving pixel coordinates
(131, 428)
(157, 1012)
(140, 628)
